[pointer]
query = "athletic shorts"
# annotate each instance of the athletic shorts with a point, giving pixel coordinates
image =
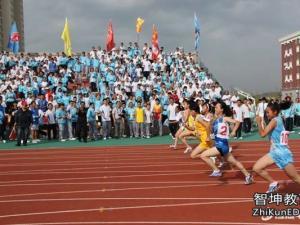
(222, 146)
(281, 156)
(203, 141)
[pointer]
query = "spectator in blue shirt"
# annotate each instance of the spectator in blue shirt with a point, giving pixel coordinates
(61, 117)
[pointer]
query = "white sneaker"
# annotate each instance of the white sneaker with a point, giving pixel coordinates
(216, 173)
(131, 137)
(63, 140)
(241, 138)
(148, 137)
(34, 142)
(249, 179)
(230, 149)
(72, 139)
(37, 140)
(273, 187)
(187, 150)
(4, 141)
(104, 138)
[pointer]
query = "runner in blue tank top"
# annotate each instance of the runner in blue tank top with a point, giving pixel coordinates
(221, 133)
(279, 153)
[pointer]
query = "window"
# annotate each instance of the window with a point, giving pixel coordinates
(298, 76)
(298, 62)
(286, 79)
(298, 48)
(291, 78)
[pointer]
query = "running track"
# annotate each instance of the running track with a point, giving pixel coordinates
(129, 185)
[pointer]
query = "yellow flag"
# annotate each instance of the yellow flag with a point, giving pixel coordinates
(65, 35)
(139, 24)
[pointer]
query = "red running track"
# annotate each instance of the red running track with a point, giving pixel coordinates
(130, 185)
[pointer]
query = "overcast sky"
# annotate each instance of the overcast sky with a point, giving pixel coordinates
(239, 38)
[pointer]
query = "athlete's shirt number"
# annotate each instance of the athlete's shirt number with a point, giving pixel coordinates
(284, 138)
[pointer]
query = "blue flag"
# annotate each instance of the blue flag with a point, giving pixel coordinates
(197, 32)
(14, 39)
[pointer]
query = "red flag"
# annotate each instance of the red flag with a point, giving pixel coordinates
(110, 43)
(155, 48)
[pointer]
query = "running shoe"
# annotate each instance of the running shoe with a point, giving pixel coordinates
(273, 187)
(216, 173)
(249, 179)
(187, 150)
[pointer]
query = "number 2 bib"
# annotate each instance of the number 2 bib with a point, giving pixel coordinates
(223, 131)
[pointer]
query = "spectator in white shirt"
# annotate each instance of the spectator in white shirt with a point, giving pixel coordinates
(148, 119)
(261, 107)
(147, 67)
(51, 127)
(246, 116)
(238, 115)
(105, 111)
(173, 123)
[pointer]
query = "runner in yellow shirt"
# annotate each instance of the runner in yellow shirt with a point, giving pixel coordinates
(202, 130)
(189, 127)
(185, 116)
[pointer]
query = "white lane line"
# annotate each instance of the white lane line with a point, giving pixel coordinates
(146, 175)
(193, 162)
(120, 189)
(154, 222)
(90, 162)
(90, 168)
(96, 199)
(103, 172)
(166, 156)
(134, 175)
(132, 148)
(126, 182)
(113, 152)
(113, 159)
(125, 207)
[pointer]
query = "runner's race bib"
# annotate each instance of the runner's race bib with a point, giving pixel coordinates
(223, 131)
(284, 137)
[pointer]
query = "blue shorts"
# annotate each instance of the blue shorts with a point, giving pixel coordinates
(281, 156)
(222, 146)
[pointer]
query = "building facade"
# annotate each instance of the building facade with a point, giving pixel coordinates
(290, 65)
(11, 10)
